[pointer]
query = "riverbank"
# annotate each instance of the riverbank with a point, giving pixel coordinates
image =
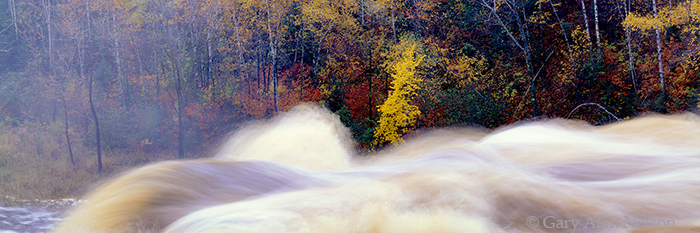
(35, 163)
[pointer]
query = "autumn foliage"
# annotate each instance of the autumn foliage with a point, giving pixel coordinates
(398, 115)
(181, 74)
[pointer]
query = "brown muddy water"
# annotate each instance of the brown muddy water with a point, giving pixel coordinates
(301, 173)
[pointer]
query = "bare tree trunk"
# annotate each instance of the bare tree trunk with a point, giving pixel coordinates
(180, 125)
(173, 53)
(522, 44)
(142, 71)
(122, 83)
(213, 73)
(624, 11)
(65, 116)
(53, 114)
(81, 52)
(588, 34)
(197, 65)
(628, 36)
(303, 52)
(273, 52)
(533, 80)
(265, 75)
(82, 77)
(658, 50)
(597, 31)
(524, 36)
(47, 7)
(257, 64)
(174, 66)
(631, 59)
(156, 64)
(97, 128)
(274, 85)
(317, 58)
(85, 34)
(87, 13)
(563, 32)
(140, 61)
(13, 12)
(210, 61)
(180, 105)
(393, 21)
(242, 69)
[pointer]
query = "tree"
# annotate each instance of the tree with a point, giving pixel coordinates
(597, 31)
(69, 25)
(514, 10)
(273, 21)
(658, 49)
(676, 26)
(398, 115)
(171, 35)
(563, 32)
(623, 11)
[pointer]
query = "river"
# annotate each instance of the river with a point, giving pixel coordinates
(20, 216)
(300, 173)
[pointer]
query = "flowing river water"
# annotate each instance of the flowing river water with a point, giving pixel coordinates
(300, 173)
(20, 216)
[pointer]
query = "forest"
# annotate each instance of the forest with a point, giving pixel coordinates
(175, 76)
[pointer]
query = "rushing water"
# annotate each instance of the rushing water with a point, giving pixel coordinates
(299, 173)
(32, 216)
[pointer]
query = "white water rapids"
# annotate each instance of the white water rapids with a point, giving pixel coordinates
(20, 216)
(300, 173)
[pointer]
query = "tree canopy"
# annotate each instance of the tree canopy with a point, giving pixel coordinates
(188, 71)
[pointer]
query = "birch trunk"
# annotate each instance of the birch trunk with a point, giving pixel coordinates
(208, 76)
(273, 52)
(588, 33)
(631, 58)
(117, 57)
(180, 125)
(597, 31)
(563, 32)
(658, 50)
(47, 8)
(242, 69)
(628, 8)
(523, 44)
(13, 12)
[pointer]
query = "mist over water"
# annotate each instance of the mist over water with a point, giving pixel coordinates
(300, 173)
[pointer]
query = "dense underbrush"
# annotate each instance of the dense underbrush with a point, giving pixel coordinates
(35, 162)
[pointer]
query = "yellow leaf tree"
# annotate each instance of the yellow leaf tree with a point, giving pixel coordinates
(397, 114)
(684, 15)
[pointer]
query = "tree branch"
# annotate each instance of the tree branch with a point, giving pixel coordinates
(594, 104)
(500, 22)
(533, 78)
